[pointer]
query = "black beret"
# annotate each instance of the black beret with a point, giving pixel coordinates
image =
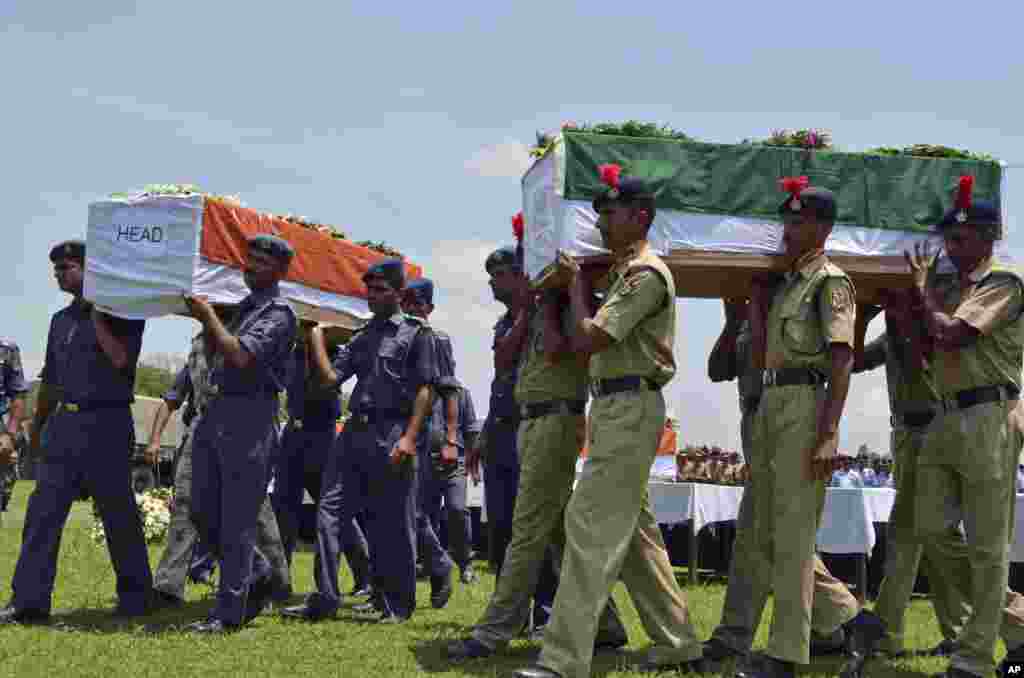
(980, 213)
(391, 270)
(818, 201)
(69, 249)
(422, 289)
(272, 245)
(630, 190)
(504, 256)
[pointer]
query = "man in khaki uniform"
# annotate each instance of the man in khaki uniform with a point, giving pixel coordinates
(551, 390)
(748, 588)
(610, 528)
(913, 401)
(968, 459)
(804, 340)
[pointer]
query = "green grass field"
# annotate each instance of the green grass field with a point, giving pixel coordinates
(85, 640)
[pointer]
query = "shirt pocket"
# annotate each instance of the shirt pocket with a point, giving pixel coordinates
(391, 356)
(801, 330)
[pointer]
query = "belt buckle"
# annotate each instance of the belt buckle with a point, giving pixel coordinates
(297, 424)
(768, 377)
(71, 407)
(215, 389)
(363, 419)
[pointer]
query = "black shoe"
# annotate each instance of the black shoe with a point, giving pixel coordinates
(823, 646)
(307, 612)
(715, 650)
(162, 600)
(763, 666)
(1012, 665)
(211, 626)
(946, 648)
(610, 644)
(12, 615)
(440, 591)
(361, 591)
(468, 576)
(259, 596)
(467, 648)
(421, 572)
(536, 672)
(862, 635)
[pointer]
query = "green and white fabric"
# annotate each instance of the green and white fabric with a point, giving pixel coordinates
(723, 198)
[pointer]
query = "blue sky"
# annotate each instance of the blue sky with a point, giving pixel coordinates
(407, 122)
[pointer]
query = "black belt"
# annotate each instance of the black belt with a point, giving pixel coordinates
(512, 420)
(961, 400)
(607, 387)
(918, 419)
(750, 403)
(549, 407)
(316, 424)
(375, 416)
(791, 376)
(90, 405)
(216, 390)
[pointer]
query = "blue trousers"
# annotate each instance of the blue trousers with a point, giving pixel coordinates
(447, 483)
(360, 479)
(84, 450)
(230, 453)
(301, 467)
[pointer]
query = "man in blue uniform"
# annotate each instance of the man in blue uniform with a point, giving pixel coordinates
(237, 434)
(12, 406)
(441, 462)
(308, 440)
(84, 399)
(374, 467)
(184, 554)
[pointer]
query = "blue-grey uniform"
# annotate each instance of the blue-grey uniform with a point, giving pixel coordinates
(308, 439)
(89, 441)
(501, 463)
(391, 359)
(233, 443)
(447, 481)
(12, 385)
(184, 553)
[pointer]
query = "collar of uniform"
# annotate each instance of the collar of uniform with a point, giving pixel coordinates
(394, 319)
(807, 265)
(980, 271)
(629, 255)
(257, 297)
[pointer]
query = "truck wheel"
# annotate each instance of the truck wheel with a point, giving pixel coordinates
(143, 479)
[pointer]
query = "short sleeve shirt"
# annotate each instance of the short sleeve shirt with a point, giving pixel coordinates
(639, 314)
(991, 304)
(76, 364)
(266, 327)
(811, 310)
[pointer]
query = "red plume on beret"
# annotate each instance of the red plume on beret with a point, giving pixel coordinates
(794, 185)
(518, 224)
(964, 191)
(610, 174)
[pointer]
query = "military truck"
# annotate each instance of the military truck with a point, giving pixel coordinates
(144, 476)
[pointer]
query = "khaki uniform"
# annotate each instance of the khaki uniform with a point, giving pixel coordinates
(548, 449)
(912, 392)
(748, 586)
(811, 310)
(968, 459)
(610, 528)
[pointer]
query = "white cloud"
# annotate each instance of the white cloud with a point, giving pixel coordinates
(509, 158)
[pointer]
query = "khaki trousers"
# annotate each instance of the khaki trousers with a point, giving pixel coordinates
(610, 532)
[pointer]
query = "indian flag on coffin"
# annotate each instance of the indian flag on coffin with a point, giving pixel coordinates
(717, 220)
(144, 252)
